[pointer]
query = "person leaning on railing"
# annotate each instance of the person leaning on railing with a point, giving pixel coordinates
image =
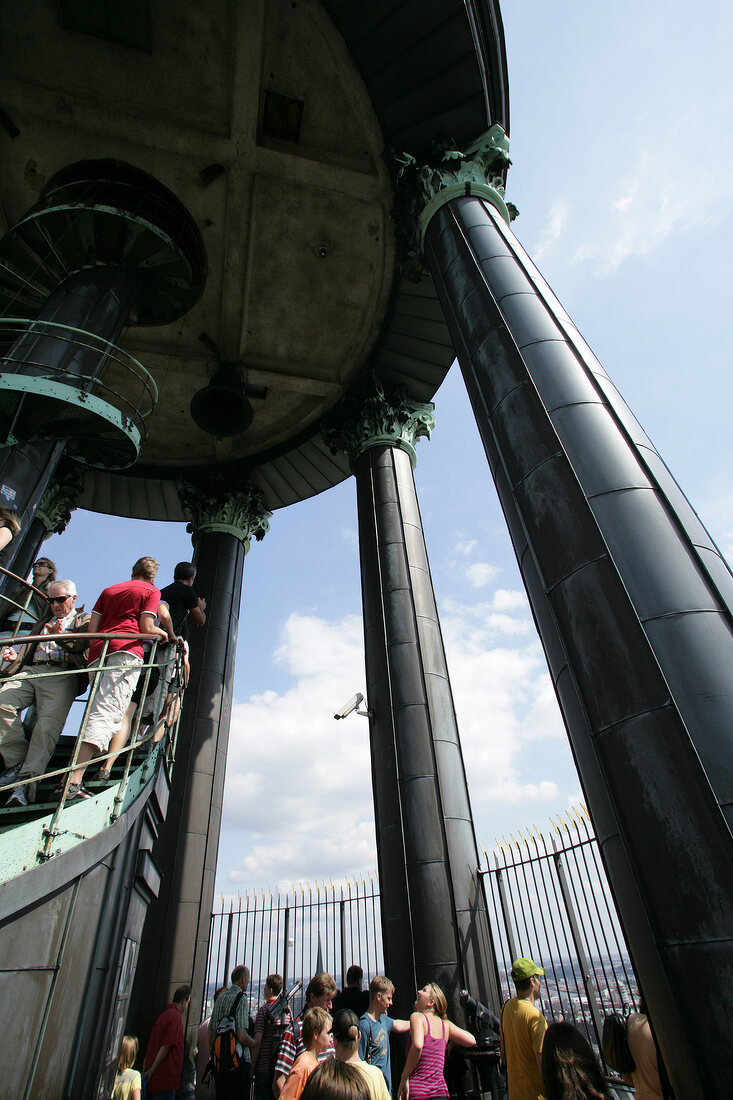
(21, 607)
(154, 685)
(126, 608)
(42, 675)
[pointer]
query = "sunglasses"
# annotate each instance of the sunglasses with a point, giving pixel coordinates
(59, 599)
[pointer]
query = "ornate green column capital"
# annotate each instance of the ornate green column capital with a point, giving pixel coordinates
(451, 173)
(366, 417)
(239, 512)
(59, 500)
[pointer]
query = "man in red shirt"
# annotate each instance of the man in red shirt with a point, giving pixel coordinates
(130, 608)
(163, 1062)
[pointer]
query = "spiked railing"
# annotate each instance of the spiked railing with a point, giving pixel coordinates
(551, 901)
(312, 926)
(548, 899)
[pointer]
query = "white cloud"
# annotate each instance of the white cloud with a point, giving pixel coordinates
(509, 600)
(552, 231)
(350, 536)
(464, 546)
(574, 800)
(298, 794)
(479, 573)
(626, 200)
(649, 201)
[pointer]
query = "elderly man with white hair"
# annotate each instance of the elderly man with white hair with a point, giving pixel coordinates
(31, 684)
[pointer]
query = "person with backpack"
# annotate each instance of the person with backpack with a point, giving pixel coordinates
(648, 1072)
(229, 1040)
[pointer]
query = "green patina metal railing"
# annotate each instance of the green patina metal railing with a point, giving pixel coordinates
(72, 823)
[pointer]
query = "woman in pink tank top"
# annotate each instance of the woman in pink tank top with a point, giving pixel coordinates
(423, 1077)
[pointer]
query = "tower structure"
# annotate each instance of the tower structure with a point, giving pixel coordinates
(228, 217)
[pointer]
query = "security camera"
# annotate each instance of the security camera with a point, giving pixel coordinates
(353, 705)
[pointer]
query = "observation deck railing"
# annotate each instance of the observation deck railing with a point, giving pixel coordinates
(63, 826)
(547, 895)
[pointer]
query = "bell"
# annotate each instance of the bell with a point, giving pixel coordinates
(221, 409)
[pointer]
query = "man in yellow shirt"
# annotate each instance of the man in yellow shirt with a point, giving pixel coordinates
(522, 1031)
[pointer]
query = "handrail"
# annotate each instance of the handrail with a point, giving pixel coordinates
(78, 635)
(166, 736)
(22, 582)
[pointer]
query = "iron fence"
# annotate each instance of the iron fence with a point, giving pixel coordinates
(547, 895)
(312, 927)
(550, 900)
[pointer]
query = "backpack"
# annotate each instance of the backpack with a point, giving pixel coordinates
(287, 1022)
(226, 1052)
(615, 1045)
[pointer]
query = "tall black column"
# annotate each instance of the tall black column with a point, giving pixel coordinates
(52, 516)
(175, 941)
(632, 602)
(434, 921)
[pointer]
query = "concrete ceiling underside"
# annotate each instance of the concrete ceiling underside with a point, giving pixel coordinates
(270, 121)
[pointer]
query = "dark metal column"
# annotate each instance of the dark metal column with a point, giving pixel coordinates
(631, 599)
(434, 919)
(52, 516)
(175, 942)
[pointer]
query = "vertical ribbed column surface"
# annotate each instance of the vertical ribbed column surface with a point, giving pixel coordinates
(632, 602)
(433, 910)
(176, 935)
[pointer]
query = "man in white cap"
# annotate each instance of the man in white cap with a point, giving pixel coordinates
(522, 1032)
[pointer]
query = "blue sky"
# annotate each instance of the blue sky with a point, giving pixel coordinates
(623, 175)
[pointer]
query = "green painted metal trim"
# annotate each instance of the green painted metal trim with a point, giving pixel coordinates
(389, 441)
(459, 190)
(20, 844)
(21, 383)
(226, 529)
(86, 340)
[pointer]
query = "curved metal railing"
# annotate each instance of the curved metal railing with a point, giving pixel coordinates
(9, 604)
(140, 754)
(110, 373)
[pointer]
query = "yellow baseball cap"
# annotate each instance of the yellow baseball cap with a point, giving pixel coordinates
(525, 968)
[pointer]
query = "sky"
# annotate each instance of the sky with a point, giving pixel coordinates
(623, 176)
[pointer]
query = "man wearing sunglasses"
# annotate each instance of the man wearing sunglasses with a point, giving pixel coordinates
(34, 681)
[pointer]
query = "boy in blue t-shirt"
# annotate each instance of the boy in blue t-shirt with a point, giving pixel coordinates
(375, 1026)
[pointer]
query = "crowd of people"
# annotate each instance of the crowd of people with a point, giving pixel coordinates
(48, 675)
(334, 1051)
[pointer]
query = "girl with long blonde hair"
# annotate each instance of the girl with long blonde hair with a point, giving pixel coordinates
(128, 1082)
(423, 1077)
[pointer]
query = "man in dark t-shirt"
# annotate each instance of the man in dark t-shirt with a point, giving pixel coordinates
(182, 601)
(352, 996)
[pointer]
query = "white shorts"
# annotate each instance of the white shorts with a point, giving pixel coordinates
(112, 697)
